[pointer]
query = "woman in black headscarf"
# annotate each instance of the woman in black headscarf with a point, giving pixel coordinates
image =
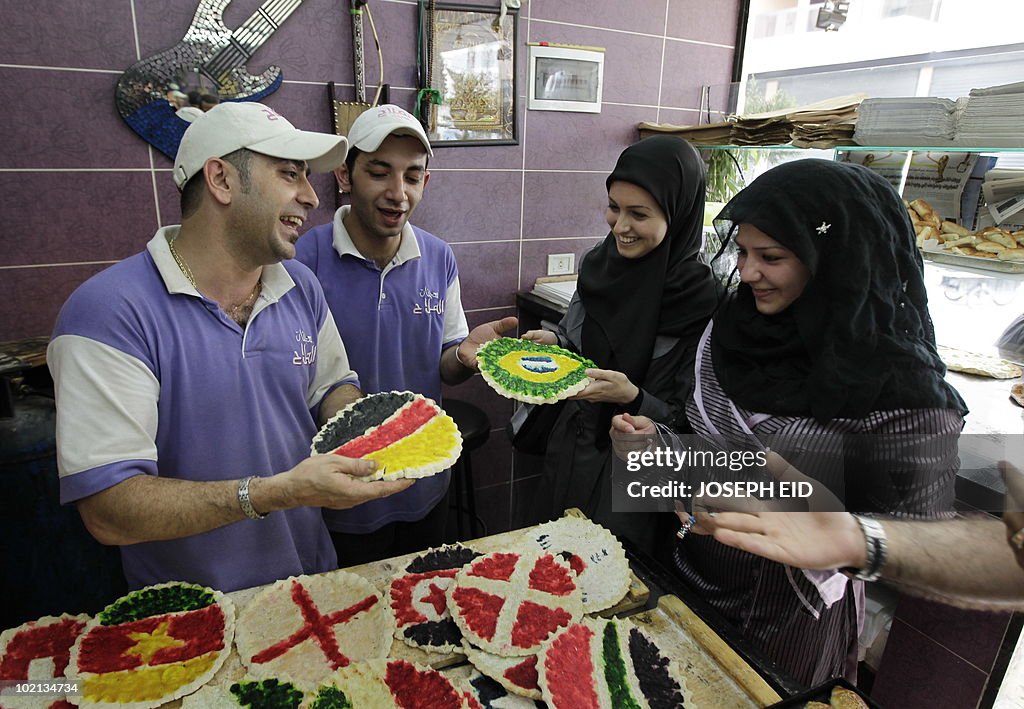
(642, 300)
(826, 354)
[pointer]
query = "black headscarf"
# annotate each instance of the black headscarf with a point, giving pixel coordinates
(859, 338)
(629, 302)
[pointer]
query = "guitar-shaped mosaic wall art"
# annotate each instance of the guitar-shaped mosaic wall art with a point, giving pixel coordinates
(210, 54)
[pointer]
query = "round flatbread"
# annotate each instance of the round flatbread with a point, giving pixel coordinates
(419, 603)
(250, 693)
(508, 603)
(530, 372)
(407, 435)
(304, 628)
(607, 664)
(39, 650)
(593, 552)
(151, 646)
(517, 675)
(387, 684)
(482, 692)
(976, 363)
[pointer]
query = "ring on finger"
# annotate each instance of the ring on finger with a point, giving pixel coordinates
(687, 526)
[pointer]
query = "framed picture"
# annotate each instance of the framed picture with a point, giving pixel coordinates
(565, 79)
(471, 63)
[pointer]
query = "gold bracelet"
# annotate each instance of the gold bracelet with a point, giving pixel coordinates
(243, 499)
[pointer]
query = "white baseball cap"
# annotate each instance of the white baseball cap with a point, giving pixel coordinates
(375, 124)
(233, 125)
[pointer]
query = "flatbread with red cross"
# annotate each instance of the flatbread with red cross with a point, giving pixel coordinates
(594, 554)
(508, 603)
(388, 684)
(304, 628)
(38, 650)
(418, 600)
(406, 434)
(516, 674)
(607, 664)
(151, 646)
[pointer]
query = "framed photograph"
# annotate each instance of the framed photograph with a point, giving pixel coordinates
(565, 79)
(471, 63)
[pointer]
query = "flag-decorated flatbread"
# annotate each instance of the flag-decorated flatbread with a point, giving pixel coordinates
(508, 603)
(387, 684)
(39, 650)
(518, 675)
(419, 603)
(531, 372)
(304, 628)
(151, 646)
(608, 664)
(249, 693)
(406, 434)
(594, 554)
(482, 692)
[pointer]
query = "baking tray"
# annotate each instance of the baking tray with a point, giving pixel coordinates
(975, 262)
(821, 694)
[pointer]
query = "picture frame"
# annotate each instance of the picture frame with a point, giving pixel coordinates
(565, 79)
(471, 64)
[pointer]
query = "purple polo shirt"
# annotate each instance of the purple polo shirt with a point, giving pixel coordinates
(395, 323)
(152, 378)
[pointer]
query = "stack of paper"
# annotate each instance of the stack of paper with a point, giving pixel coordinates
(924, 121)
(709, 134)
(819, 125)
(991, 118)
(558, 290)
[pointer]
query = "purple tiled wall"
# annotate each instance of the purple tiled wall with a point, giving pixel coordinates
(82, 191)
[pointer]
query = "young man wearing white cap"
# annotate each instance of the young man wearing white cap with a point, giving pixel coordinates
(394, 291)
(190, 378)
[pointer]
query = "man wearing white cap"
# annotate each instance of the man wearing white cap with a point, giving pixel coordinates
(190, 378)
(394, 291)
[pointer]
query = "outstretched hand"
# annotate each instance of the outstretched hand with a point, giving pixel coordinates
(541, 337)
(337, 482)
(807, 540)
(607, 386)
(483, 333)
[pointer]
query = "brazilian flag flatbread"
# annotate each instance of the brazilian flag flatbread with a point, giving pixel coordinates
(406, 434)
(530, 372)
(151, 646)
(387, 684)
(608, 664)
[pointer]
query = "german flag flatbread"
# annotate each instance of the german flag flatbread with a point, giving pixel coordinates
(530, 372)
(39, 650)
(508, 603)
(304, 628)
(517, 675)
(151, 646)
(388, 684)
(406, 434)
(608, 664)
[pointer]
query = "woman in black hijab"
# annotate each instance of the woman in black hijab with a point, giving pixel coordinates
(642, 300)
(826, 354)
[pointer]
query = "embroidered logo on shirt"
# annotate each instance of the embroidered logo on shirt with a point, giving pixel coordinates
(430, 302)
(305, 355)
(823, 229)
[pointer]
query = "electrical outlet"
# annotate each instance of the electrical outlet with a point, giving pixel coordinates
(561, 264)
